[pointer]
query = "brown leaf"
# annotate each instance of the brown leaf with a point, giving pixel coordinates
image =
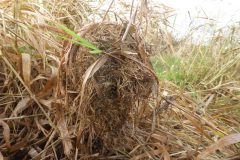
(143, 54)
(21, 106)
(90, 72)
(223, 142)
(6, 133)
(64, 133)
(26, 68)
(47, 102)
(39, 77)
(51, 83)
(33, 40)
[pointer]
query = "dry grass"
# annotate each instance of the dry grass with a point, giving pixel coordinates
(60, 100)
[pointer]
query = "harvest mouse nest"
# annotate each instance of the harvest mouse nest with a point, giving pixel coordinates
(119, 86)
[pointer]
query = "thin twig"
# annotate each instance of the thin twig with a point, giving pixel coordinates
(131, 21)
(107, 11)
(21, 117)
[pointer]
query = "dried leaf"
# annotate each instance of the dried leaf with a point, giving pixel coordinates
(223, 142)
(64, 133)
(143, 54)
(26, 68)
(47, 102)
(90, 72)
(21, 106)
(33, 40)
(51, 83)
(39, 77)
(6, 133)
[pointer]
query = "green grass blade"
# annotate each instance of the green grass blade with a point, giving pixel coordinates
(81, 41)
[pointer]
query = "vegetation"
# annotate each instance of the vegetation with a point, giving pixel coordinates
(71, 87)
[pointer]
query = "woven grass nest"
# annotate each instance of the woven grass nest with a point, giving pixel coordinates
(116, 88)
